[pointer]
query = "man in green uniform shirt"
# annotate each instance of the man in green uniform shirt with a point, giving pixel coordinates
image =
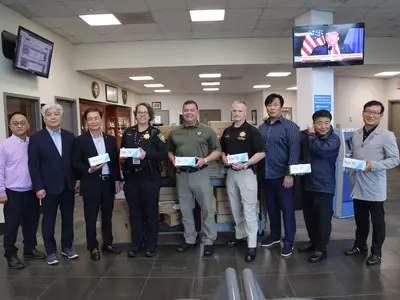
(193, 139)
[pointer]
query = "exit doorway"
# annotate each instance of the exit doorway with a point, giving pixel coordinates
(69, 119)
(207, 115)
(394, 118)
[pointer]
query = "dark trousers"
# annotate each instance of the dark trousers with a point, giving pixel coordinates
(91, 206)
(362, 210)
(280, 199)
(50, 204)
(318, 212)
(22, 208)
(142, 193)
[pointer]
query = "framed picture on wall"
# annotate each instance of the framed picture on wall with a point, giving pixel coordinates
(156, 105)
(254, 116)
(111, 93)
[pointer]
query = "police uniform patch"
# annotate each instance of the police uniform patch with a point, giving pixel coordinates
(198, 132)
(161, 137)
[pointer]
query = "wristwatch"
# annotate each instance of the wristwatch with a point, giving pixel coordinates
(205, 161)
(245, 166)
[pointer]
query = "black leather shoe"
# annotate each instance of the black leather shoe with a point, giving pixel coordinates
(14, 262)
(133, 252)
(111, 249)
(208, 250)
(317, 256)
(237, 242)
(151, 252)
(184, 247)
(356, 250)
(34, 254)
(373, 259)
(307, 247)
(250, 255)
(95, 254)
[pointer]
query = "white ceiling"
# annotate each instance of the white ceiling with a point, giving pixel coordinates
(244, 18)
(236, 79)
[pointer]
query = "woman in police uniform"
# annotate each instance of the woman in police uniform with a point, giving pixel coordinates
(143, 179)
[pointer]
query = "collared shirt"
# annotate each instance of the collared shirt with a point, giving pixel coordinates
(14, 172)
(56, 137)
(366, 133)
(282, 147)
(101, 149)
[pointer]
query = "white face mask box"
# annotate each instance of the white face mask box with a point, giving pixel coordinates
(300, 169)
(129, 152)
(185, 161)
(237, 158)
(354, 164)
(99, 159)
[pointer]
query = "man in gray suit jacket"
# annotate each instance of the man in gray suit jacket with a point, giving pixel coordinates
(378, 147)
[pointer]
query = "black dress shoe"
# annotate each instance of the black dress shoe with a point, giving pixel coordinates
(95, 254)
(111, 249)
(134, 252)
(307, 247)
(374, 259)
(317, 256)
(34, 254)
(151, 252)
(208, 250)
(356, 250)
(237, 242)
(184, 247)
(250, 255)
(15, 263)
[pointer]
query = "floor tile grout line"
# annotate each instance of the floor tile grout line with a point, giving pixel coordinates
(291, 286)
(38, 297)
(95, 288)
(147, 279)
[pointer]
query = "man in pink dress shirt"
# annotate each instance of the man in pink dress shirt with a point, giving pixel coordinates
(21, 206)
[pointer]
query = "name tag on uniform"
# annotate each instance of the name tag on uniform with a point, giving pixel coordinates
(185, 161)
(237, 158)
(300, 169)
(354, 164)
(129, 152)
(99, 159)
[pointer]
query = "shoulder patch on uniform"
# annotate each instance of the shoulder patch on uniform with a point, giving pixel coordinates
(161, 137)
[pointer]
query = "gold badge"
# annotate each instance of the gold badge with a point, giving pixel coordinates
(242, 136)
(146, 136)
(161, 137)
(198, 132)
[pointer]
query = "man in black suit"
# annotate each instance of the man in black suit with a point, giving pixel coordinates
(99, 183)
(332, 46)
(54, 181)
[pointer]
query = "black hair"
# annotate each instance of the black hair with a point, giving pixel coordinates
(92, 109)
(321, 114)
(373, 103)
(187, 102)
(18, 113)
(272, 97)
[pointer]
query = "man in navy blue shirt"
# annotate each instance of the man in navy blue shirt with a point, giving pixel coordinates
(282, 150)
(320, 148)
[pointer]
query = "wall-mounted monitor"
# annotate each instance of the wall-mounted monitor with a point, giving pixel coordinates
(328, 45)
(33, 53)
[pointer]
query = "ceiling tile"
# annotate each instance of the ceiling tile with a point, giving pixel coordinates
(7, 2)
(236, 34)
(240, 14)
(80, 30)
(206, 4)
(350, 15)
(246, 3)
(285, 3)
(126, 6)
(274, 24)
(372, 22)
(206, 26)
(178, 35)
(59, 22)
(81, 8)
(175, 27)
(34, 1)
(239, 24)
(267, 33)
(383, 13)
(279, 13)
(159, 5)
(384, 32)
(109, 30)
(324, 5)
(171, 16)
(143, 28)
(49, 9)
(362, 3)
(147, 36)
(390, 4)
(19, 8)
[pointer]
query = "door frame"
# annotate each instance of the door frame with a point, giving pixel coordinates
(37, 122)
(389, 111)
(74, 109)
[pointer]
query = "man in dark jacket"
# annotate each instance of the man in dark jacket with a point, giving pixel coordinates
(320, 148)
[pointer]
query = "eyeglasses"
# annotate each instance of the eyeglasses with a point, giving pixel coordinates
(142, 113)
(16, 123)
(372, 113)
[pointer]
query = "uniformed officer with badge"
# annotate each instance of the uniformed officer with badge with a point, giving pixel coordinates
(143, 179)
(243, 139)
(193, 139)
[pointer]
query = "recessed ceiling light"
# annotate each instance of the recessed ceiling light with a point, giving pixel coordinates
(162, 91)
(210, 89)
(212, 75)
(388, 73)
(278, 74)
(207, 15)
(293, 88)
(100, 20)
(261, 86)
(154, 85)
(138, 78)
(210, 83)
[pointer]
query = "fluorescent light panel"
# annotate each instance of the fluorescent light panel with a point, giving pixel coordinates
(210, 83)
(162, 91)
(154, 85)
(139, 78)
(210, 89)
(100, 20)
(278, 74)
(211, 75)
(293, 88)
(262, 86)
(207, 15)
(388, 73)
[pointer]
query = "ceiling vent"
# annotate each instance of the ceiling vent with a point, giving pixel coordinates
(135, 18)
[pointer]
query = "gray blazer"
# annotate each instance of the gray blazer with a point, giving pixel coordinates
(381, 148)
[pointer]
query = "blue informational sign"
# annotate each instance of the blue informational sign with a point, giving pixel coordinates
(323, 102)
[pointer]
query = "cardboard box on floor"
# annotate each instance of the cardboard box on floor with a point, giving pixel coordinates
(221, 194)
(225, 219)
(224, 208)
(171, 219)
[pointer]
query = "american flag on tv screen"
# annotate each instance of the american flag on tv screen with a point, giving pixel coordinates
(313, 39)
